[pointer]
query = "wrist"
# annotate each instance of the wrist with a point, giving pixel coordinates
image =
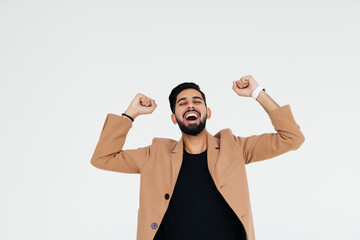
(131, 114)
(260, 96)
(257, 91)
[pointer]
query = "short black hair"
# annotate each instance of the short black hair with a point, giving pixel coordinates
(178, 89)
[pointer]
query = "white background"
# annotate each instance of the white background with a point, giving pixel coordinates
(65, 64)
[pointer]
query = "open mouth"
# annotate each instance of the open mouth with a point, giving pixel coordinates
(191, 117)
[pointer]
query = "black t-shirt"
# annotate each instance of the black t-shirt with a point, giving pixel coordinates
(197, 210)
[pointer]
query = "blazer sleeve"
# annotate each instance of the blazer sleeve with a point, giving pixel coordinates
(288, 137)
(109, 155)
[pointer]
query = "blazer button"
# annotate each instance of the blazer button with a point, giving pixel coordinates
(167, 196)
(154, 225)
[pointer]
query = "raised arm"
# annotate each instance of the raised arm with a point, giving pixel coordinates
(288, 135)
(108, 154)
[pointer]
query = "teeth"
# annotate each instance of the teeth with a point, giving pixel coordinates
(191, 114)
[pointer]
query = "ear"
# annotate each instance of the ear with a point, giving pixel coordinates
(208, 112)
(173, 118)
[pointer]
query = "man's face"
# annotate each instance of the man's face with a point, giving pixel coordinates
(190, 112)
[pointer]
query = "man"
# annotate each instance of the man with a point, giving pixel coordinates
(195, 188)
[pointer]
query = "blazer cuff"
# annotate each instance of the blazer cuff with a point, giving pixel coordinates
(282, 118)
(118, 119)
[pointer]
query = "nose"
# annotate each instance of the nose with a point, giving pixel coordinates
(190, 108)
(191, 105)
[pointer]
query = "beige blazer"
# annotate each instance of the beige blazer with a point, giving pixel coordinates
(160, 162)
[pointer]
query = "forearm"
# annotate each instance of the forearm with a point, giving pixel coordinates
(111, 140)
(267, 102)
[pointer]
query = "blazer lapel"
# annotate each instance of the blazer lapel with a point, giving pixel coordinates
(212, 157)
(177, 157)
(176, 161)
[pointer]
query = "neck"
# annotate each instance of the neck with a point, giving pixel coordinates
(195, 144)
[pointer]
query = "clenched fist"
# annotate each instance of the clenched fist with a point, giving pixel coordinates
(245, 86)
(141, 105)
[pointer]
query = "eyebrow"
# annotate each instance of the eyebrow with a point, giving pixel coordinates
(192, 97)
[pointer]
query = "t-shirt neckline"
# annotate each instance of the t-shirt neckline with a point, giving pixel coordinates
(196, 154)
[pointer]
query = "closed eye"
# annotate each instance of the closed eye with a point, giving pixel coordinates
(184, 103)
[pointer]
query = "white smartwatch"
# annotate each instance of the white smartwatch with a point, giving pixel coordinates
(257, 91)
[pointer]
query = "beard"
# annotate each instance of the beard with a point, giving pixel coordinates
(192, 129)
